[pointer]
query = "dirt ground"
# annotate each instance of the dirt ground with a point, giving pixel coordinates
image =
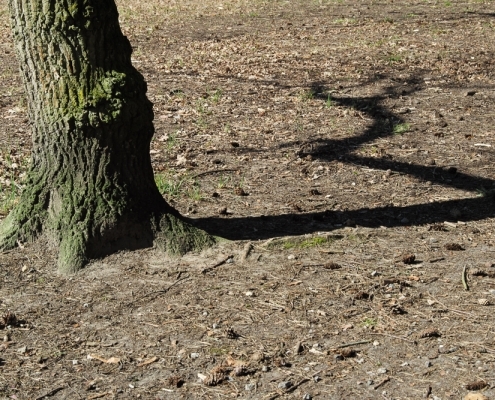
(346, 151)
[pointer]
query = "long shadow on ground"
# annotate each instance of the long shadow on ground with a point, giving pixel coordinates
(384, 122)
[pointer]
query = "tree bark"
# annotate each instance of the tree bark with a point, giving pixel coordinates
(90, 187)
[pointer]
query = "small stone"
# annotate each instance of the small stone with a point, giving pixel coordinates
(370, 382)
(249, 387)
(404, 364)
(75, 362)
(264, 368)
(381, 371)
(316, 378)
(291, 257)
(338, 357)
(249, 293)
(428, 364)
(285, 385)
(374, 273)
(307, 396)
(194, 355)
(215, 326)
(376, 343)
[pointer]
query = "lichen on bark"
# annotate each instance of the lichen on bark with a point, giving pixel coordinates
(90, 188)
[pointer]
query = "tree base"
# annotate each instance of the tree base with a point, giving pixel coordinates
(167, 231)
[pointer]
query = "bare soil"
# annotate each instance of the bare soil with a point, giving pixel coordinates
(346, 151)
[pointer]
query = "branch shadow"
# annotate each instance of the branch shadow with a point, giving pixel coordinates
(384, 123)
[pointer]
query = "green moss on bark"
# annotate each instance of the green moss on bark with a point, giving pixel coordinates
(177, 237)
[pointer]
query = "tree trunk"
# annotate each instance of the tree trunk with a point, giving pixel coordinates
(90, 187)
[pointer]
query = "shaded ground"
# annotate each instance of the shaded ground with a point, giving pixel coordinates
(351, 144)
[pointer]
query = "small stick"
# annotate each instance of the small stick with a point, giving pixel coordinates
(384, 381)
(353, 344)
(247, 249)
(208, 269)
(396, 337)
(50, 393)
(213, 171)
(162, 291)
(464, 278)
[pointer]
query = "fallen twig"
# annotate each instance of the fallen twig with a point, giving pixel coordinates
(208, 269)
(247, 249)
(213, 171)
(464, 278)
(452, 309)
(383, 382)
(50, 393)
(396, 337)
(353, 344)
(162, 291)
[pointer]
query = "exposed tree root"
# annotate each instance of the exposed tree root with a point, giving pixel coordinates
(167, 230)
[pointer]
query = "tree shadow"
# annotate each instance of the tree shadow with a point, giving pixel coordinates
(384, 123)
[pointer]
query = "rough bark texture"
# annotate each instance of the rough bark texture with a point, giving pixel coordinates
(91, 186)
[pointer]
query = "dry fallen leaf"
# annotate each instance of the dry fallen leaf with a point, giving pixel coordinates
(477, 385)
(111, 360)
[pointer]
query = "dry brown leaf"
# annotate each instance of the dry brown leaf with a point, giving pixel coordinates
(111, 360)
(427, 333)
(477, 385)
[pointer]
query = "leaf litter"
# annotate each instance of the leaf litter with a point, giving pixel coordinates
(345, 150)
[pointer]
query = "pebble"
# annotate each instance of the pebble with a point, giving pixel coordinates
(404, 364)
(381, 371)
(428, 364)
(291, 257)
(285, 385)
(249, 387)
(374, 273)
(250, 293)
(307, 396)
(370, 382)
(264, 368)
(316, 378)
(215, 326)
(194, 355)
